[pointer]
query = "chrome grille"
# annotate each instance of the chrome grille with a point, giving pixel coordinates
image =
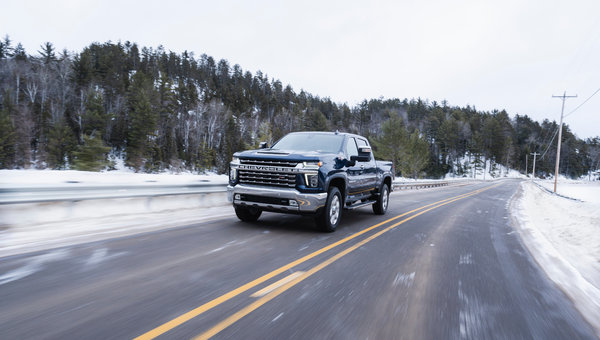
(261, 177)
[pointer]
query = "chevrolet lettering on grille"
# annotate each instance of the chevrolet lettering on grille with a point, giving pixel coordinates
(267, 168)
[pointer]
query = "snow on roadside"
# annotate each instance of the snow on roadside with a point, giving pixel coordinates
(564, 237)
(53, 178)
(37, 226)
(582, 190)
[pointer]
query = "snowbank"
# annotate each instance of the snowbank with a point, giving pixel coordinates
(53, 178)
(582, 190)
(37, 226)
(564, 237)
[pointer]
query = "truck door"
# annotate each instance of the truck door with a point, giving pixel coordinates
(354, 172)
(369, 168)
(357, 180)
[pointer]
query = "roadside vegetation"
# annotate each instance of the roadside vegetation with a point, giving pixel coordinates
(160, 110)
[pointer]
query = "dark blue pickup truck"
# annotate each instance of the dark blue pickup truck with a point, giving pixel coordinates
(316, 173)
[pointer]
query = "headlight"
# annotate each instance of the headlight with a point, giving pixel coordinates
(314, 165)
(233, 169)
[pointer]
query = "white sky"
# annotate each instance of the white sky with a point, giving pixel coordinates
(507, 54)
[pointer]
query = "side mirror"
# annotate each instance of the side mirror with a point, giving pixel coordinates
(262, 145)
(364, 154)
(360, 158)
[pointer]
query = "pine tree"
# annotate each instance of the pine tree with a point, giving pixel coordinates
(47, 53)
(141, 134)
(7, 136)
(390, 145)
(5, 48)
(316, 121)
(61, 146)
(94, 119)
(92, 155)
(19, 53)
(416, 156)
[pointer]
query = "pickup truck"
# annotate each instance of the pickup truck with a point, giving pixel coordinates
(311, 173)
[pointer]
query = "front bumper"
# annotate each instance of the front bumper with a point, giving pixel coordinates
(276, 199)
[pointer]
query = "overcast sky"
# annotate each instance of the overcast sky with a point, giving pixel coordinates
(507, 54)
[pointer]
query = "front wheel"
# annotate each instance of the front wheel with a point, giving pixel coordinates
(381, 205)
(330, 217)
(247, 214)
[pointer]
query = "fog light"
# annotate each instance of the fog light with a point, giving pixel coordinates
(293, 203)
(238, 197)
(311, 180)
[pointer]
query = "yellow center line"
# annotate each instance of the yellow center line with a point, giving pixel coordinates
(277, 284)
(231, 294)
(255, 305)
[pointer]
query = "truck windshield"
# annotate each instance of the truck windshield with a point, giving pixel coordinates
(310, 142)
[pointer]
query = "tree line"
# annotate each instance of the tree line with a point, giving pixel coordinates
(159, 110)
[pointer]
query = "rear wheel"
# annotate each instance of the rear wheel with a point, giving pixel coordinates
(380, 207)
(330, 217)
(247, 214)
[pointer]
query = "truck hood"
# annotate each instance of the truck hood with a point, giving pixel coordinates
(276, 154)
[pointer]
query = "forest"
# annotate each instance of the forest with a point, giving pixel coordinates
(160, 110)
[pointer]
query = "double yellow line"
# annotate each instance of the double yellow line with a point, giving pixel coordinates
(266, 298)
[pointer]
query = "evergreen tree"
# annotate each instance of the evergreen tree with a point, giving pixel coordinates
(95, 119)
(92, 155)
(19, 53)
(47, 53)
(141, 133)
(416, 155)
(7, 136)
(315, 121)
(391, 144)
(5, 48)
(61, 146)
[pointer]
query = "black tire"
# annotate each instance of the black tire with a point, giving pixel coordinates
(247, 214)
(330, 217)
(380, 207)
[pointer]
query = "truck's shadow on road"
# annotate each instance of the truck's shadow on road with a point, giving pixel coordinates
(283, 223)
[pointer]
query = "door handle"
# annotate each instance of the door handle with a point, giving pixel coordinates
(362, 167)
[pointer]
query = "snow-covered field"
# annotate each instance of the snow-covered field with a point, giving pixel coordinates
(582, 190)
(563, 235)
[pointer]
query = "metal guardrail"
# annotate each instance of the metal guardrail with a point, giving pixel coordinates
(87, 192)
(79, 192)
(418, 185)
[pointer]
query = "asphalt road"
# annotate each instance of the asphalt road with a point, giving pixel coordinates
(443, 263)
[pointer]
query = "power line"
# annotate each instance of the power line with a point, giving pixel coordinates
(580, 105)
(549, 144)
(568, 114)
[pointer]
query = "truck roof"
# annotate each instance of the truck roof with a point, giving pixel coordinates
(329, 133)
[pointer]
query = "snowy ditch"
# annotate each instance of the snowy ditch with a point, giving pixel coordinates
(563, 235)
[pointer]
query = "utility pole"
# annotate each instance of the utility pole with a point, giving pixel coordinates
(564, 97)
(534, 157)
